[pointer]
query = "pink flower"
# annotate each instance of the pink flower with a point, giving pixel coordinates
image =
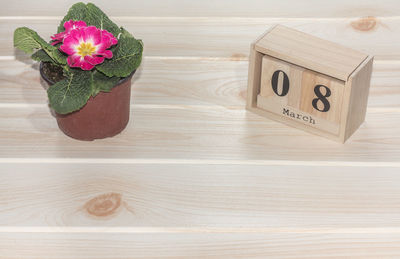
(87, 47)
(69, 26)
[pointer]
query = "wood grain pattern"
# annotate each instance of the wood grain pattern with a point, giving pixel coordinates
(294, 58)
(310, 52)
(183, 132)
(358, 101)
(195, 175)
(199, 245)
(298, 100)
(218, 8)
(208, 37)
(309, 80)
(176, 81)
(293, 72)
(296, 118)
(197, 197)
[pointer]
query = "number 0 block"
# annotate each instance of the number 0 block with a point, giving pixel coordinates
(309, 83)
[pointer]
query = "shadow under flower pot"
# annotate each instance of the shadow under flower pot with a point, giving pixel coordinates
(104, 115)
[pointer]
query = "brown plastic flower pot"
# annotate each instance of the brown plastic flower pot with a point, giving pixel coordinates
(104, 115)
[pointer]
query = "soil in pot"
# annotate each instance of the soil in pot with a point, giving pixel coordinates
(104, 115)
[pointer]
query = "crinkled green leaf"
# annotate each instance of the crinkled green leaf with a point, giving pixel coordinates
(72, 93)
(58, 56)
(28, 40)
(77, 12)
(127, 56)
(103, 83)
(98, 18)
(92, 15)
(42, 56)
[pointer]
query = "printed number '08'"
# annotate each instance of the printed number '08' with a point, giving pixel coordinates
(317, 91)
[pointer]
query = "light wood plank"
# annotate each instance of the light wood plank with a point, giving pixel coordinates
(310, 52)
(230, 37)
(183, 82)
(359, 83)
(197, 196)
(195, 175)
(197, 132)
(199, 245)
(232, 8)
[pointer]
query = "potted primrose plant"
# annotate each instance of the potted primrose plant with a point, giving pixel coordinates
(88, 64)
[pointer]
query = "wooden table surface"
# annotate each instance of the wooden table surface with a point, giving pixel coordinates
(194, 174)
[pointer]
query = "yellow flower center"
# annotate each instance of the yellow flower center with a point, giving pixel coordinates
(86, 48)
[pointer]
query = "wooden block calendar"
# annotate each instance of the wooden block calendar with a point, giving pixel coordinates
(308, 83)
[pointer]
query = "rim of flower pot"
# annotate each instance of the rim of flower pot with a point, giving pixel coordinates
(51, 82)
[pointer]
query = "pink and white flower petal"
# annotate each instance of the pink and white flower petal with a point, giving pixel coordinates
(100, 48)
(87, 47)
(76, 34)
(103, 52)
(78, 61)
(70, 45)
(94, 60)
(57, 38)
(91, 34)
(74, 61)
(103, 45)
(78, 24)
(70, 25)
(87, 66)
(113, 40)
(107, 40)
(107, 54)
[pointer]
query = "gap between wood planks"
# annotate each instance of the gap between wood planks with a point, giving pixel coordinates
(186, 58)
(200, 58)
(184, 107)
(204, 36)
(154, 161)
(205, 18)
(104, 230)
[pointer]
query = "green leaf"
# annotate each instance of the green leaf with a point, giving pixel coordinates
(92, 15)
(98, 18)
(58, 56)
(72, 93)
(127, 56)
(103, 83)
(42, 56)
(28, 40)
(77, 12)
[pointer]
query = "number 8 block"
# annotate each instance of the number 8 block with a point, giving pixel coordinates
(308, 83)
